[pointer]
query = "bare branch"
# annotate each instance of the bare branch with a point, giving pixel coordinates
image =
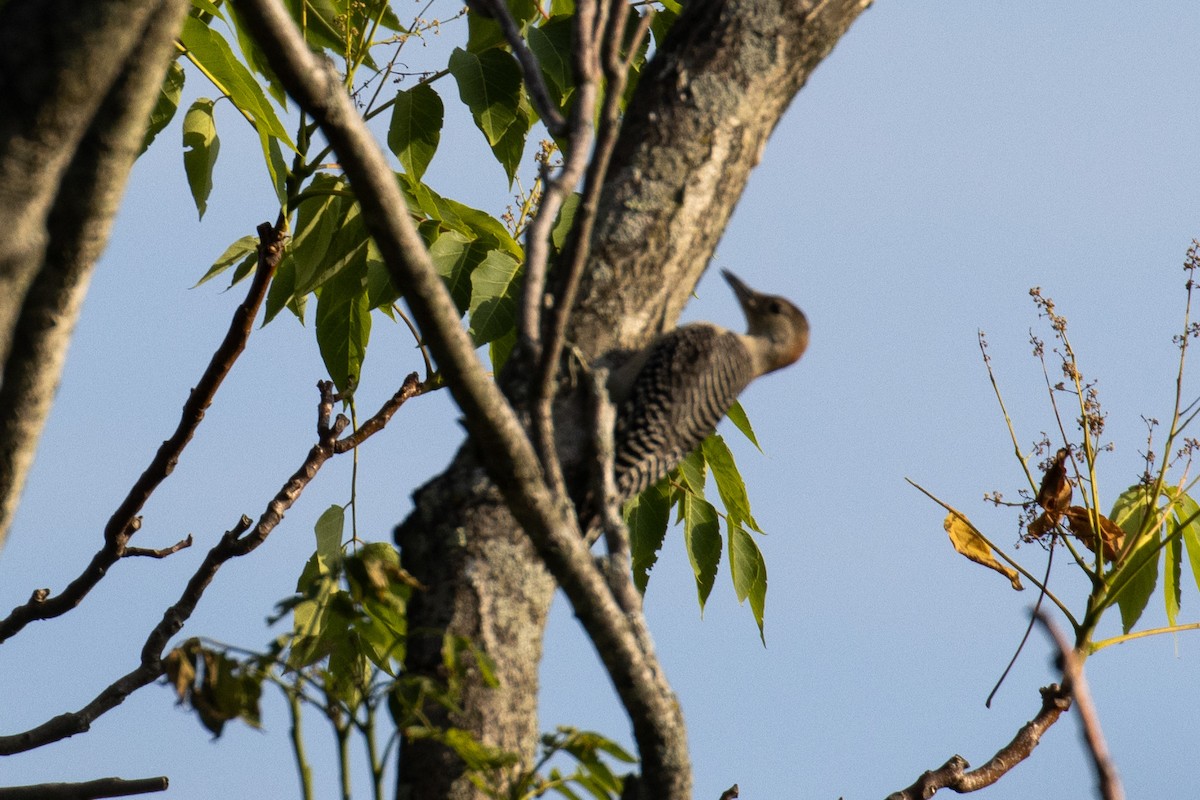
(954, 775)
(101, 787)
(1106, 773)
(587, 47)
(124, 520)
(163, 553)
(236, 542)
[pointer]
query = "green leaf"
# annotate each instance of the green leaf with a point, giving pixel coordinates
(511, 147)
(500, 349)
(566, 218)
(317, 219)
(214, 55)
(343, 324)
(283, 289)
(319, 21)
(1134, 581)
(347, 246)
(551, 43)
(256, 59)
(702, 536)
(664, 19)
(489, 83)
(456, 255)
(1173, 552)
(329, 528)
(493, 297)
(737, 415)
(729, 481)
(749, 573)
(692, 471)
(200, 148)
(239, 252)
(1189, 512)
(166, 105)
(416, 128)
(646, 517)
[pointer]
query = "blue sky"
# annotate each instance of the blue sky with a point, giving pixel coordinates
(944, 159)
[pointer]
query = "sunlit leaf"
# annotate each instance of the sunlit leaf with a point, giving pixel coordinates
(737, 415)
(166, 105)
(242, 250)
(1134, 581)
(201, 145)
(730, 485)
(970, 544)
(231, 76)
(1189, 515)
(329, 529)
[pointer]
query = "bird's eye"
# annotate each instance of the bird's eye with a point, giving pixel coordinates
(775, 307)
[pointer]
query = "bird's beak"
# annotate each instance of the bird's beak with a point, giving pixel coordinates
(746, 296)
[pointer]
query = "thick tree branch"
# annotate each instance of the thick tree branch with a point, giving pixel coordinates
(88, 790)
(494, 427)
(78, 208)
(239, 541)
(124, 520)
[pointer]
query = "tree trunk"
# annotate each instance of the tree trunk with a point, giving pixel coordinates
(77, 83)
(696, 127)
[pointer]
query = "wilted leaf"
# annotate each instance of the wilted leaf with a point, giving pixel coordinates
(1111, 534)
(970, 544)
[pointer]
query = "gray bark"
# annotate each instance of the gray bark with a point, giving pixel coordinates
(77, 82)
(697, 126)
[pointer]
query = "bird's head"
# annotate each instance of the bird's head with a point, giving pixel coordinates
(774, 320)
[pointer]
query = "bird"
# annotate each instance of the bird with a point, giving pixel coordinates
(670, 395)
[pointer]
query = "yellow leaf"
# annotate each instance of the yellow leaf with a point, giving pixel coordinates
(970, 544)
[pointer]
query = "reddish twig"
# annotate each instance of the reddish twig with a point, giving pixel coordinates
(88, 790)
(124, 521)
(239, 541)
(954, 773)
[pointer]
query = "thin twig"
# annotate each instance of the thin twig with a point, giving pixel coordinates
(242, 539)
(124, 520)
(161, 553)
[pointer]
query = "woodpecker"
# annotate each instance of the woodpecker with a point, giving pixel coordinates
(671, 395)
